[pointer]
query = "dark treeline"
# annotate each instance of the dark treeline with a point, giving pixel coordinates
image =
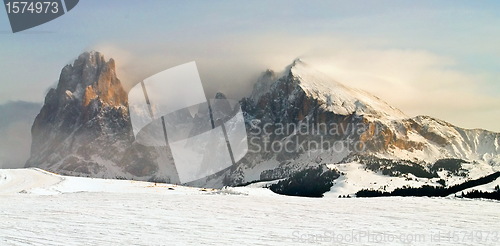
(312, 182)
(481, 194)
(430, 191)
(398, 167)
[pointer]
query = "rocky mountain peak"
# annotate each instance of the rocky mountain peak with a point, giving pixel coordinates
(297, 61)
(337, 97)
(91, 78)
(84, 126)
(220, 95)
(263, 84)
(305, 96)
(290, 69)
(301, 81)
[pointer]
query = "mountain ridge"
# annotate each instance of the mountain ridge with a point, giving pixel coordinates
(295, 98)
(84, 127)
(86, 118)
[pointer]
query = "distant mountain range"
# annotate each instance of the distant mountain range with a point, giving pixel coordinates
(296, 119)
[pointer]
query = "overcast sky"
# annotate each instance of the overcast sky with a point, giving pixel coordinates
(438, 58)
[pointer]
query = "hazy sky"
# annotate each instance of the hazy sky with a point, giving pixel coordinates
(438, 58)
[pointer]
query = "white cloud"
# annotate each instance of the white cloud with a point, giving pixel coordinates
(417, 81)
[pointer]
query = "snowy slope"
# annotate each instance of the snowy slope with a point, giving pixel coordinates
(490, 187)
(467, 144)
(18, 180)
(84, 211)
(339, 98)
(357, 178)
(438, 138)
(39, 182)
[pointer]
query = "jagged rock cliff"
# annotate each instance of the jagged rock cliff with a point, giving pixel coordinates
(84, 126)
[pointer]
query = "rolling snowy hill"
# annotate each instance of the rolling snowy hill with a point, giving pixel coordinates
(42, 208)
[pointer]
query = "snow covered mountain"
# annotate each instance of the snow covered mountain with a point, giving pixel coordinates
(295, 120)
(347, 125)
(84, 126)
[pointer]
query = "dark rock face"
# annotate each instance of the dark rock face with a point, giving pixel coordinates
(84, 126)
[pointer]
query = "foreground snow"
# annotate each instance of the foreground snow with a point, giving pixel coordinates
(40, 208)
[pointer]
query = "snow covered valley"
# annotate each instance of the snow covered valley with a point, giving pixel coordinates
(40, 208)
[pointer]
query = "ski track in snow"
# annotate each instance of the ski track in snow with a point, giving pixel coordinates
(57, 210)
